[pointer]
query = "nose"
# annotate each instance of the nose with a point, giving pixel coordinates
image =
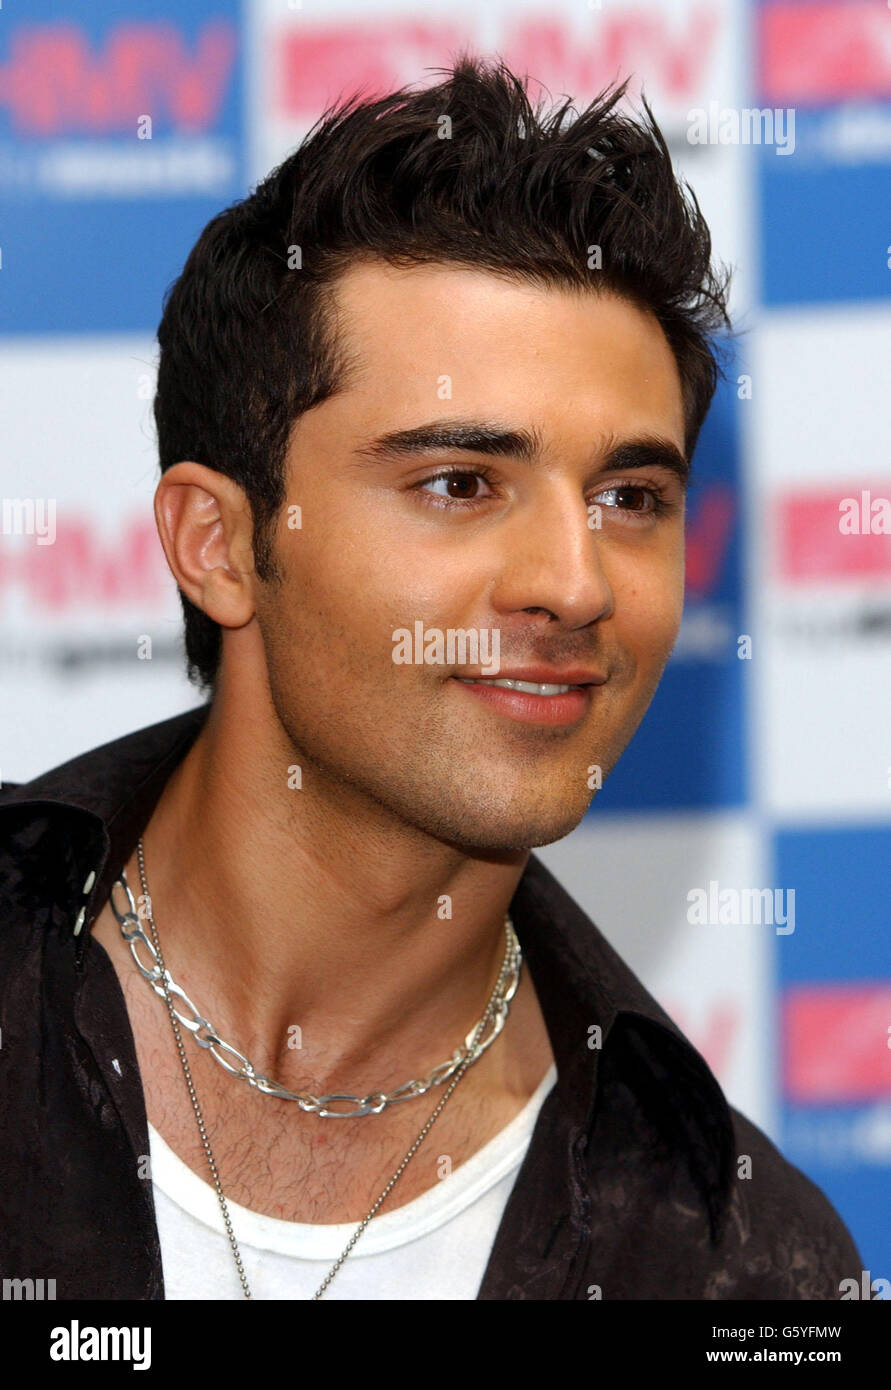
(552, 560)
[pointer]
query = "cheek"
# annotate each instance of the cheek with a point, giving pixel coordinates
(649, 610)
(351, 597)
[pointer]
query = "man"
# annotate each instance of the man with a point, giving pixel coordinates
(441, 374)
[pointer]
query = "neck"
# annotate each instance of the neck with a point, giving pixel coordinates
(281, 909)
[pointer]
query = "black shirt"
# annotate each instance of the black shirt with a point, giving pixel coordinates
(635, 1184)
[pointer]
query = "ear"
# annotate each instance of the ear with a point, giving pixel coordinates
(205, 524)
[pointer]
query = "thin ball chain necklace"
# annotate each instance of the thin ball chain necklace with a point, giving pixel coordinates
(204, 1034)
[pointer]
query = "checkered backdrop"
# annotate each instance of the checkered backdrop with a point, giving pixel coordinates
(760, 765)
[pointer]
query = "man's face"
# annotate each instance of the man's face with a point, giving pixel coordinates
(519, 550)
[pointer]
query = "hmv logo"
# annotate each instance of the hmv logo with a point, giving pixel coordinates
(56, 82)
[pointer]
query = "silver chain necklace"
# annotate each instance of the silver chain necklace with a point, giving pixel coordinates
(159, 978)
(207, 1037)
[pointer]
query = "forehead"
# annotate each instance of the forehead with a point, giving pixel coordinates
(418, 335)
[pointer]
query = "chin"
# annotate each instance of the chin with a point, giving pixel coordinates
(514, 835)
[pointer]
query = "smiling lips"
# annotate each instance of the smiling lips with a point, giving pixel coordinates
(536, 696)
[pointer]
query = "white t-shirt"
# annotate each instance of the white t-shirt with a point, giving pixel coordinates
(435, 1247)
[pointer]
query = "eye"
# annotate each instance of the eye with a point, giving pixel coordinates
(640, 493)
(460, 487)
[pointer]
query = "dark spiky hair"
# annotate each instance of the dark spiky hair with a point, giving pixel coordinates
(464, 171)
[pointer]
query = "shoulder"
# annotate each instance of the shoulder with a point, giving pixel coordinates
(787, 1239)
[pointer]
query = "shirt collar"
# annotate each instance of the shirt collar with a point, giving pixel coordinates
(106, 796)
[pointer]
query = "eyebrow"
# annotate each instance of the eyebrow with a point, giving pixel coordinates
(478, 437)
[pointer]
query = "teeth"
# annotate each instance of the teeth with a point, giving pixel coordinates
(528, 687)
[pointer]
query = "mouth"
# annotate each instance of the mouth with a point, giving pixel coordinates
(532, 702)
